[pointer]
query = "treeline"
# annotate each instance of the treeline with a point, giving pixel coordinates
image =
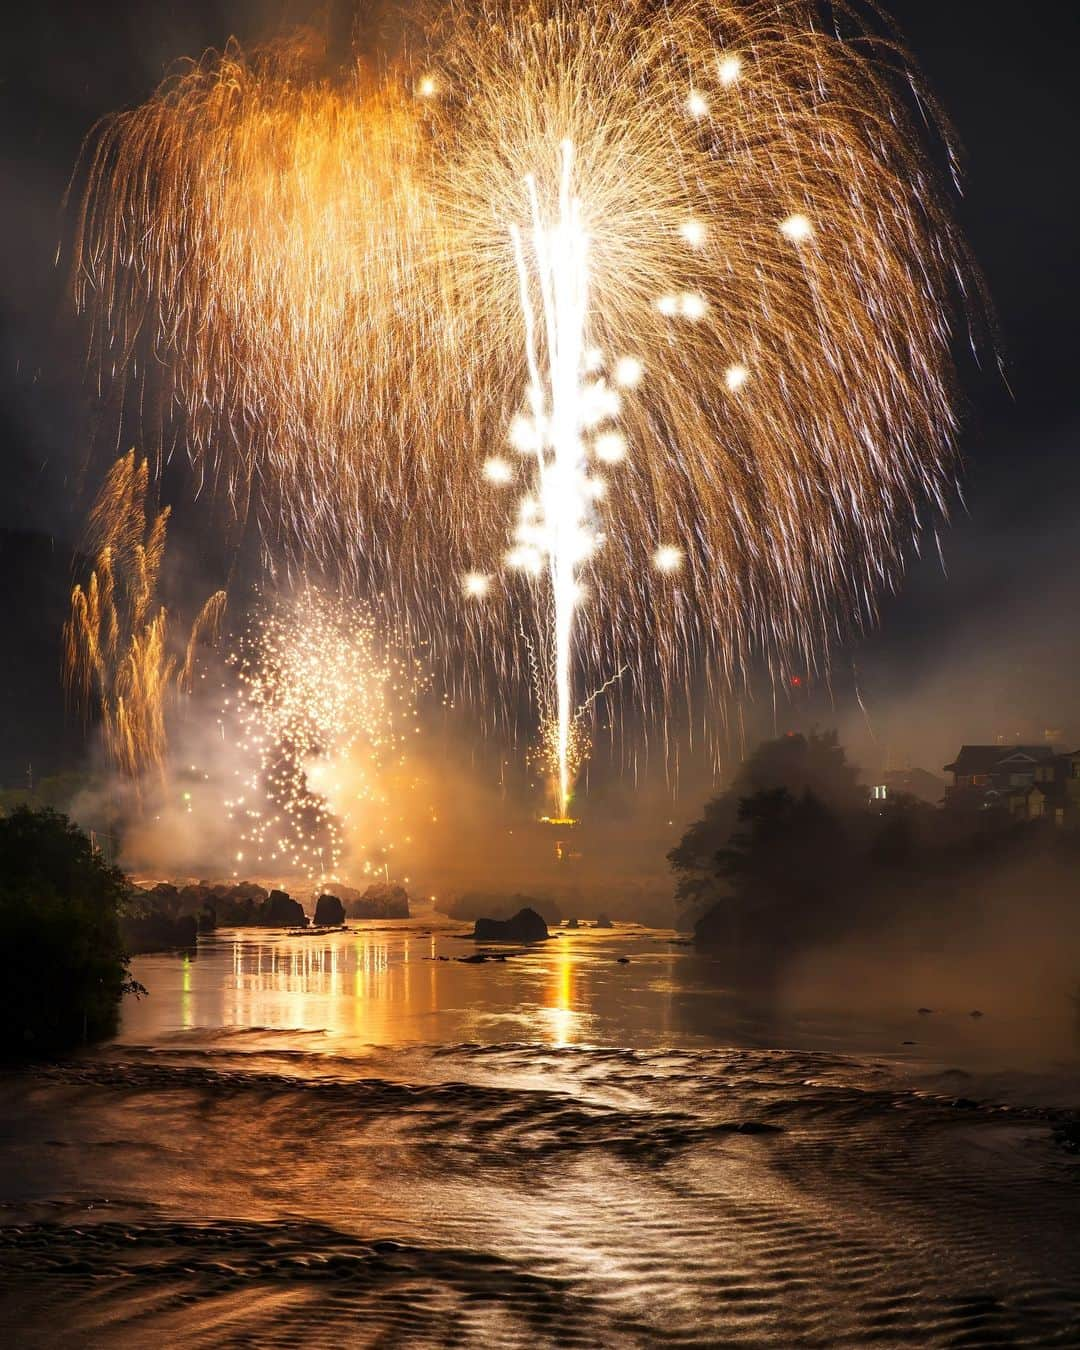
(795, 855)
(60, 908)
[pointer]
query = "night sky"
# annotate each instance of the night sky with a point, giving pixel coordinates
(956, 657)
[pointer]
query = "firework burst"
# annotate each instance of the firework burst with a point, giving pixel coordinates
(321, 719)
(118, 654)
(346, 285)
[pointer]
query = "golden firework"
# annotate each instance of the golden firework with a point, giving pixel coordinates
(117, 642)
(320, 720)
(326, 273)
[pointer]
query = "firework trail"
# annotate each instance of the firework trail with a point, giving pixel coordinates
(343, 286)
(320, 720)
(118, 654)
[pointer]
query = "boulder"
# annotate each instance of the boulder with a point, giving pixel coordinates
(280, 910)
(381, 900)
(247, 890)
(163, 916)
(525, 926)
(604, 922)
(472, 905)
(571, 923)
(329, 912)
(232, 906)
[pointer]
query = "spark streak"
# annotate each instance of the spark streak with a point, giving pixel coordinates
(556, 524)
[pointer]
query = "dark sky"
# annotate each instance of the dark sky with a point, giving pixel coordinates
(1005, 73)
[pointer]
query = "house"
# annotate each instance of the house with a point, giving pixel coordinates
(996, 766)
(1058, 780)
(1030, 782)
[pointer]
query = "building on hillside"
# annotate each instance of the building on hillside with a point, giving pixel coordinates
(1057, 780)
(1029, 782)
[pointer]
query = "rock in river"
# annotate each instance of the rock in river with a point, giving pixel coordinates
(381, 900)
(329, 912)
(280, 910)
(525, 926)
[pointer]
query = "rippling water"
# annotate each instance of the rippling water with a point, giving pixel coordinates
(346, 1140)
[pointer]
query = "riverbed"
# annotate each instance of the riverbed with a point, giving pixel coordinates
(357, 1138)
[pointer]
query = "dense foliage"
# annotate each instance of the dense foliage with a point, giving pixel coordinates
(60, 905)
(814, 764)
(796, 857)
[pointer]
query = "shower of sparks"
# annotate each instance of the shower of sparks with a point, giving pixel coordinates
(569, 401)
(326, 278)
(119, 659)
(322, 718)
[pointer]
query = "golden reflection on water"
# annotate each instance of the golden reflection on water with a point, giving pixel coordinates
(365, 987)
(306, 984)
(374, 986)
(413, 986)
(561, 1015)
(186, 1009)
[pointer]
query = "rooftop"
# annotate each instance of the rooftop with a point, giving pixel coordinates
(983, 758)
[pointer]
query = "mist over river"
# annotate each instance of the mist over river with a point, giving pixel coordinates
(356, 1139)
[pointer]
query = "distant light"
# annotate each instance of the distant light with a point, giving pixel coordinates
(611, 447)
(692, 306)
(476, 585)
(427, 88)
(628, 371)
(668, 305)
(668, 558)
(696, 104)
(735, 377)
(693, 231)
(796, 680)
(729, 69)
(797, 228)
(496, 470)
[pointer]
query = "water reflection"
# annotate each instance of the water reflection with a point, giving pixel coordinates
(373, 985)
(351, 984)
(562, 1017)
(186, 1007)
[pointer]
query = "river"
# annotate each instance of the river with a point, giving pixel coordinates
(358, 1139)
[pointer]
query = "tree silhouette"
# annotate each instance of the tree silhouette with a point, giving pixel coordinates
(814, 764)
(59, 922)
